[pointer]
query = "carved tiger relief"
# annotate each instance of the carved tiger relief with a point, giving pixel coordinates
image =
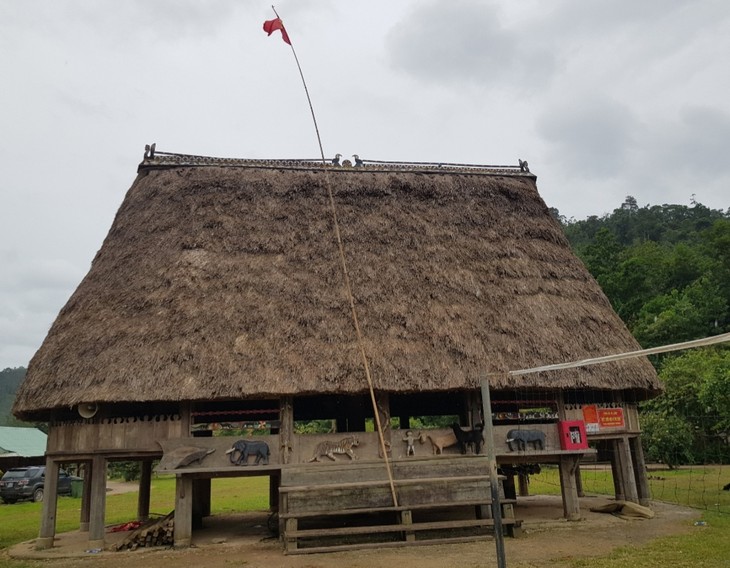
(329, 449)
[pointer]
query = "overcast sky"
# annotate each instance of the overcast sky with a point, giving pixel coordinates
(603, 99)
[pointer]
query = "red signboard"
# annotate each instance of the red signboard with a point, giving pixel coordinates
(611, 417)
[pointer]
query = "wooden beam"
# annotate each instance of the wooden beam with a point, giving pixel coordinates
(97, 502)
(86, 498)
(50, 499)
(640, 471)
(631, 492)
(183, 511)
(286, 428)
(145, 483)
(569, 488)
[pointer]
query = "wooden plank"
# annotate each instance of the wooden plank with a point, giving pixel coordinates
(426, 506)
(391, 544)
(403, 482)
(372, 529)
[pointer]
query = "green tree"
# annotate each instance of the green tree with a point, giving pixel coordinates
(666, 439)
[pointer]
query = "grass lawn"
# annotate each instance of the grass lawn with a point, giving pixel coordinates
(706, 547)
(20, 522)
(699, 486)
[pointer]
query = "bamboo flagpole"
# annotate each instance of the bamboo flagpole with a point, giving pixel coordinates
(270, 26)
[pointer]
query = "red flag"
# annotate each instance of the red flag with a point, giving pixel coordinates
(270, 26)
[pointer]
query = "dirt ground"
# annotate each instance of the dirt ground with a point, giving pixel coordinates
(242, 540)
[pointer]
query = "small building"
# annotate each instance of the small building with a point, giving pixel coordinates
(218, 298)
(20, 447)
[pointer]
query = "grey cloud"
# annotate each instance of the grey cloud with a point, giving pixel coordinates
(698, 140)
(594, 136)
(463, 42)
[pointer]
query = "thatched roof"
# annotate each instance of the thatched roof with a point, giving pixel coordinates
(224, 282)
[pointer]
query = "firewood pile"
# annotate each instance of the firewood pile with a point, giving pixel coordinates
(156, 532)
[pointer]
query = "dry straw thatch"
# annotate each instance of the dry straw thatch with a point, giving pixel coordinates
(222, 282)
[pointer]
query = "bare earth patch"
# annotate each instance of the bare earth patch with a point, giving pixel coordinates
(242, 540)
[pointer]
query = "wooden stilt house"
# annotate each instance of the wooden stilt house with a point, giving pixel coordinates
(217, 298)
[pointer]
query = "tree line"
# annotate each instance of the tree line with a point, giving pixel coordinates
(666, 271)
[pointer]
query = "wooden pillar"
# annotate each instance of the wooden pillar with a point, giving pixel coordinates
(98, 502)
(183, 511)
(85, 498)
(631, 492)
(616, 470)
(201, 501)
(274, 482)
(145, 484)
(523, 485)
(642, 482)
(286, 428)
(568, 487)
(50, 498)
(579, 481)
(473, 409)
(404, 422)
(382, 403)
(186, 418)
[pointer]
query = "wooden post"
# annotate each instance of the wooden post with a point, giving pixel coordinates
(145, 483)
(201, 501)
(493, 478)
(382, 403)
(568, 487)
(579, 481)
(631, 491)
(274, 482)
(183, 511)
(186, 418)
(523, 484)
(98, 502)
(616, 470)
(286, 428)
(86, 498)
(640, 471)
(406, 518)
(50, 498)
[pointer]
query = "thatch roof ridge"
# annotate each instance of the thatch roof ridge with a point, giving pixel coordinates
(218, 283)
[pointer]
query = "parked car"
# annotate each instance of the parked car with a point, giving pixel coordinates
(27, 483)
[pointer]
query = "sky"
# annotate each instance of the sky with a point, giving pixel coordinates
(603, 99)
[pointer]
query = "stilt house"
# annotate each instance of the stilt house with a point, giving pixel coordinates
(218, 298)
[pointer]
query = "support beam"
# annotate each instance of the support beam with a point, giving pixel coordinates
(85, 498)
(183, 511)
(201, 501)
(579, 481)
(97, 502)
(568, 487)
(382, 402)
(616, 470)
(630, 490)
(523, 484)
(50, 503)
(145, 484)
(286, 428)
(642, 481)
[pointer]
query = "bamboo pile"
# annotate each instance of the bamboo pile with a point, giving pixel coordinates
(158, 532)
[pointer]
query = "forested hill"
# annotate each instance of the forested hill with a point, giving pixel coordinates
(10, 380)
(665, 268)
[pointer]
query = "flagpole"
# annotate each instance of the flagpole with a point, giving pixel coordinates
(346, 275)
